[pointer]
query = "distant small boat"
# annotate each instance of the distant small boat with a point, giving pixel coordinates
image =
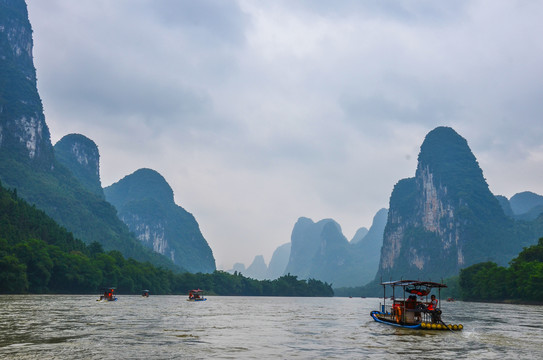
(450, 299)
(145, 293)
(109, 295)
(196, 295)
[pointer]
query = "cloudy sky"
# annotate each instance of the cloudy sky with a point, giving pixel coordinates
(260, 112)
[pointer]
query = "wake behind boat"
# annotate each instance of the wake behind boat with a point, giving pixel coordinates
(196, 295)
(410, 312)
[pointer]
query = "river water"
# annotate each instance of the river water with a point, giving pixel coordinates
(169, 327)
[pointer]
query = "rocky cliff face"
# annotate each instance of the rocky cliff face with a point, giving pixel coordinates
(24, 135)
(145, 203)
(445, 218)
(80, 154)
(27, 159)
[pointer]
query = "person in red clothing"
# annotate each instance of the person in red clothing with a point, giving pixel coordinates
(432, 308)
(433, 303)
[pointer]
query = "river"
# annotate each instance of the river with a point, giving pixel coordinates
(169, 327)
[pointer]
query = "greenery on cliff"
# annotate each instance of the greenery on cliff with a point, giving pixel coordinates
(145, 202)
(446, 218)
(81, 156)
(39, 256)
(27, 161)
(522, 281)
(62, 197)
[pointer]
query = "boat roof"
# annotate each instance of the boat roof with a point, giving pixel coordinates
(198, 290)
(404, 283)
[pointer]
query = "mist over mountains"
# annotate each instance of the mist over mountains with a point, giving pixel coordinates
(321, 251)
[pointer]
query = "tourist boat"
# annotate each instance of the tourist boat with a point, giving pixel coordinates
(196, 295)
(109, 295)
(405, 310)
(145, 293)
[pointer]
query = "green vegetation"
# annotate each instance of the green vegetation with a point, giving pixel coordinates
(447, 218)
(89, 217)
(39, 256)
(522, 281)
(70, 149)
(27, 160)
(145, 202)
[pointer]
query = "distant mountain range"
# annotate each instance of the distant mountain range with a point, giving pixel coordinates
(526, 205)
(320, 251)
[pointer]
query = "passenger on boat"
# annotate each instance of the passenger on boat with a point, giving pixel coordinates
(435, 312)
(433, 303)
(410, 306)
(411, 302)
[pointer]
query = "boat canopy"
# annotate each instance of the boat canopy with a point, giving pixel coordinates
(414, 283)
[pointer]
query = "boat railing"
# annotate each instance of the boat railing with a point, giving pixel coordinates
(399, 313)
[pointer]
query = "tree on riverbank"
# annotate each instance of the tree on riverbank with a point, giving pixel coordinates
(522, 281)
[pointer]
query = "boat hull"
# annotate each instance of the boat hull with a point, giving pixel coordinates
(379, 317)
(382, 318)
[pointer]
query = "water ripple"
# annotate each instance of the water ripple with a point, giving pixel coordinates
(168, 327)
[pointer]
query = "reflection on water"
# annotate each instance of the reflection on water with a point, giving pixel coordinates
(169, 327)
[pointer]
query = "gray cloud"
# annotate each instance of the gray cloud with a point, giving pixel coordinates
(206, 20)
(258, 113)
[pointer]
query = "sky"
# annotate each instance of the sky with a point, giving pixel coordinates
(261, 112)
